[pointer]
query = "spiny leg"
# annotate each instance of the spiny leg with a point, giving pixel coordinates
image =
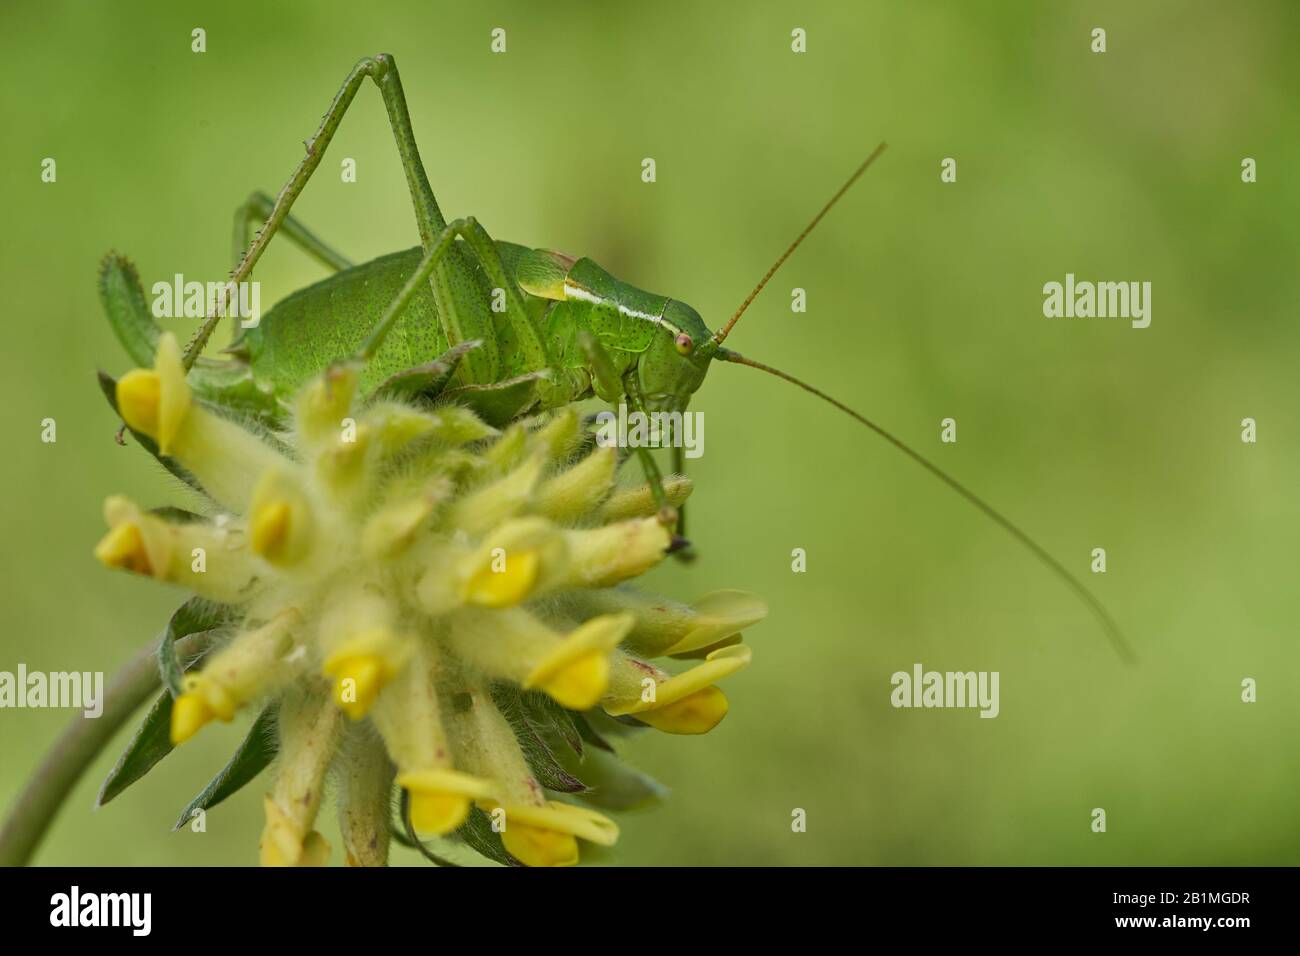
(602, 368)
(441, 243)
(428, 216)
(489, 257)
(687, 553)
(679, 468)
(257, 208)
(482, 246)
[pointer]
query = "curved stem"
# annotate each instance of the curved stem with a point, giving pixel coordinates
(72, 753)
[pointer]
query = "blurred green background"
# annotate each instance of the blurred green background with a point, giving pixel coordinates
(924, 301)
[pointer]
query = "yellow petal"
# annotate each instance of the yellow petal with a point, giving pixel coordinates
(139, 393)
(357, 682)
(560, 817)
(697, 713)
(507, 587)
(576, 672)
(217, 451)
(440, 799)
(533, 846)
(281, 520)
(446, 780)
(269, 528)
(174, 393)
(123, 547)
(220, 703)
(437, 812)
(719, 664)
(190, 712)
(581, 684)
(155, 401)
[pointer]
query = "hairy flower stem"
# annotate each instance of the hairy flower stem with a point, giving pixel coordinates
(76, 749)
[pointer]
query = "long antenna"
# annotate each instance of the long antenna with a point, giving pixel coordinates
(1094, 604)
(726, 329)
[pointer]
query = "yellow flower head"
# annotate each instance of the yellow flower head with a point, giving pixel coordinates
(423, 603)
